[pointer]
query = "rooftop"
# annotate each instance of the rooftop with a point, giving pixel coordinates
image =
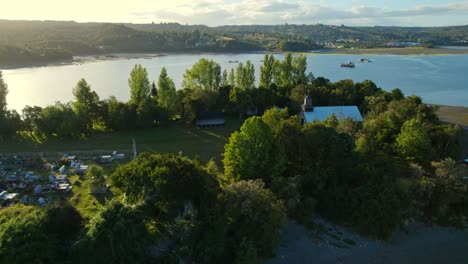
(320, 113)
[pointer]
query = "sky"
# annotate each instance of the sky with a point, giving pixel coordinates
(241, 12)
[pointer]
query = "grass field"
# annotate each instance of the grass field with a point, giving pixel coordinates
(456, 115)
(205, 143)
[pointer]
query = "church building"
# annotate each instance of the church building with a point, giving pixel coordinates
(310, 113)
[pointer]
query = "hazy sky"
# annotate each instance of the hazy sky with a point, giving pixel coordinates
(222, 12)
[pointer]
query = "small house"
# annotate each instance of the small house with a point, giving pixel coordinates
(78, 167)
(105, 159)
(63, 187)
(57, 178)
(118, 156)
(30, 177)
(61, 178)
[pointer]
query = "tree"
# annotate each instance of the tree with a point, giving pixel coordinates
(166, 92)
(245, 76)
(139, 84)
(118, 234)
(23, 230)
(154, 91)
(224, 78)
(232, 78)
(299, 65)
(205, 74)
(376, 207)
(119, 116)
(32, 117)
(240, 98)
(60, 120)
(248, 205)
(252, 154)
(183, 197)
(286, 73)
(267, 71)
(86, 103)
(97, 178)
(442, 196)
(413, 143)
(3, 94)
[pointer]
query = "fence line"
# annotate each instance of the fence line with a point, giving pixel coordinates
(58, 154)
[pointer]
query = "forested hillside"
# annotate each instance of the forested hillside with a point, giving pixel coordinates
(27, 42)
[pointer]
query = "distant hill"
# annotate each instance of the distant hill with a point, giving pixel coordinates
(24, 42)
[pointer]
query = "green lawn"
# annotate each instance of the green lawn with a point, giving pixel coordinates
(206, 143)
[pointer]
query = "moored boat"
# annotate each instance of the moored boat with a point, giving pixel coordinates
(348, 65)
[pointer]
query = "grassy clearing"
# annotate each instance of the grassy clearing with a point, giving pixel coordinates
(204, 143)
(86, 203)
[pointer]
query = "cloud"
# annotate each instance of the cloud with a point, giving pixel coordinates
(222, 12)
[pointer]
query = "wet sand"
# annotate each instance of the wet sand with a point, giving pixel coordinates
(420, 244)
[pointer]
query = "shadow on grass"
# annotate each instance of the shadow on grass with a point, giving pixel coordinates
(103, 197)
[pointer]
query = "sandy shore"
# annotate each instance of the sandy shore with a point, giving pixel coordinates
(114, 56)
(336, 244)
(88, 59)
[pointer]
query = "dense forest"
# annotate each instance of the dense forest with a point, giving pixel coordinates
(29, 42)
(398, 165)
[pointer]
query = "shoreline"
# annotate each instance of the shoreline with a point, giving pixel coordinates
(419, 51)
(417, 243)
(81, 59)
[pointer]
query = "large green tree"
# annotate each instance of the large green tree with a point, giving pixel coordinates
(86, 103)
(413, 143)
(299, 65)
(249, 205)
(29, 234)
(139, 84)
(183, 196)
(97, 178)
(267, 71)
(3, 94)
(117, 235)
(205, 74)
(245, 76)
(285, 75)
(251, 153)
(60, 120)
(167, 98)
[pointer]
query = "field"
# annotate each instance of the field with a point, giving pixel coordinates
(204, 143)
(456, 115)
(400, 51)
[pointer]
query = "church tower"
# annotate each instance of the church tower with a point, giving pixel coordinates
(307, 106)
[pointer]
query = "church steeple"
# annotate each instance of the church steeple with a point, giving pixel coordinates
(307, 106)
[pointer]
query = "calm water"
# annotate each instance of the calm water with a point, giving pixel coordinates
(437, 79)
